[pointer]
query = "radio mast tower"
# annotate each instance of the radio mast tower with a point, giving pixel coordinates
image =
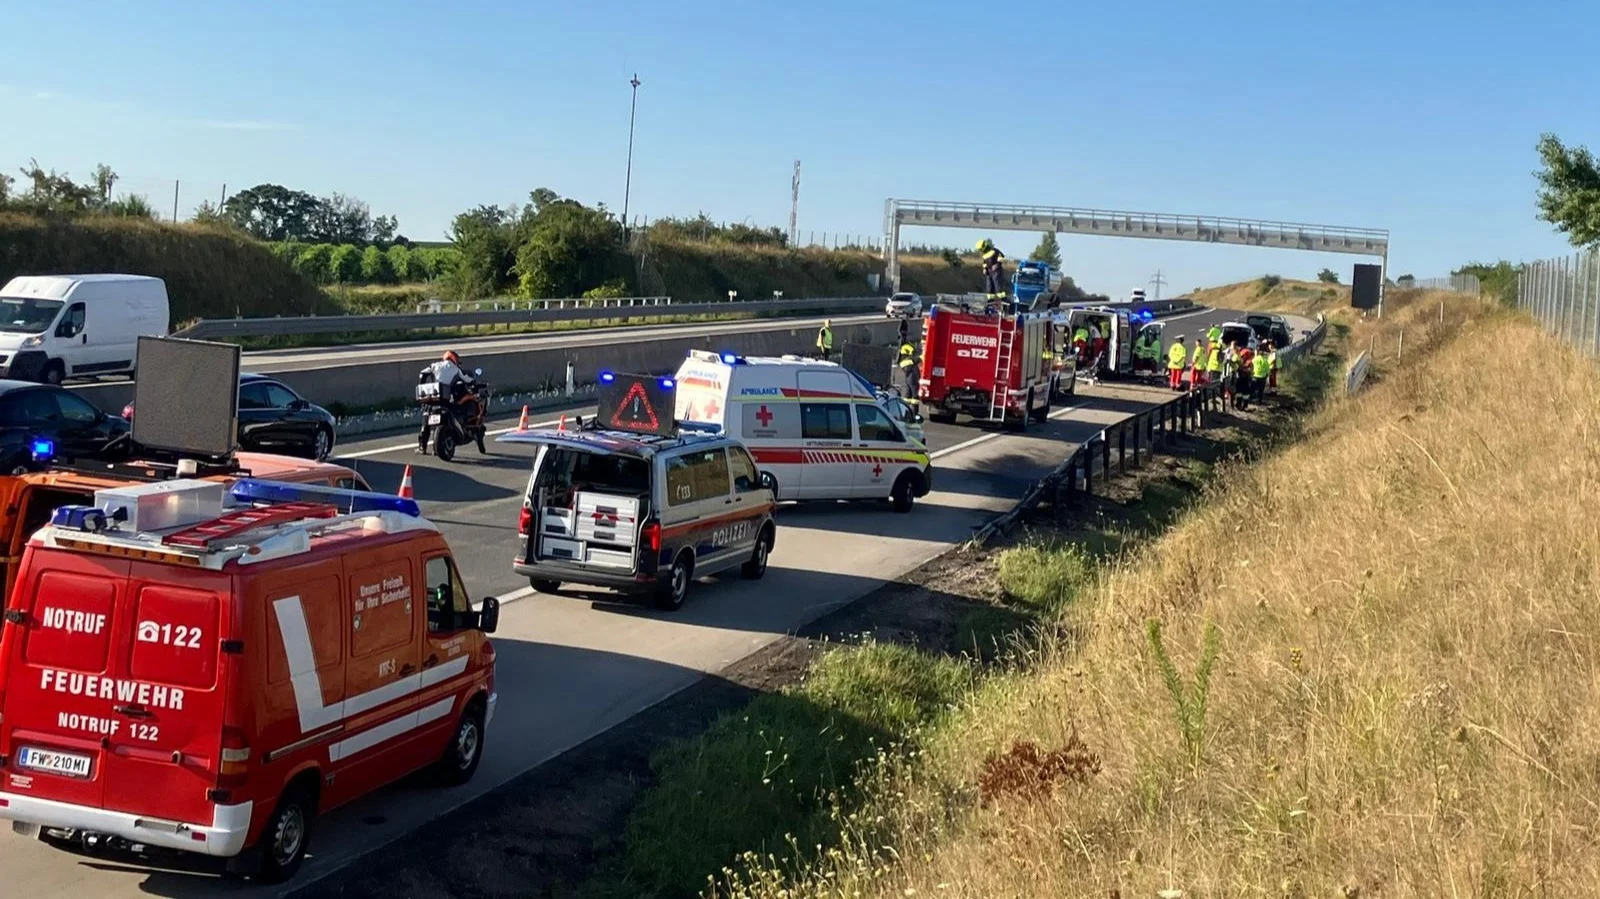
(794, 207)
(1159, 282)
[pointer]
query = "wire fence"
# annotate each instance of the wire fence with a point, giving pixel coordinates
(1467, 284)
(1563, 294)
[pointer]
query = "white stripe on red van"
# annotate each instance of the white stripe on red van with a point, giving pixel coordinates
(314, 715)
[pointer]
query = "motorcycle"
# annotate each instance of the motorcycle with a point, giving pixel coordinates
(451, 417)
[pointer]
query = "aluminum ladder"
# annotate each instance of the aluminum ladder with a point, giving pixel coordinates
(1006, 341)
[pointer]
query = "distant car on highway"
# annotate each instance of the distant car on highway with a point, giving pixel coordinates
(40, 421)
(903, 305)
(273, 418)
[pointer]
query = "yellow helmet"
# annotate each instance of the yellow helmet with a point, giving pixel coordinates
(984, 244)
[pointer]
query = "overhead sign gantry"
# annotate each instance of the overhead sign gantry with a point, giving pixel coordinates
(1117, 223)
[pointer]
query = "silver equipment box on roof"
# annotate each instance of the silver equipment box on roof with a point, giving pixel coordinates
(165, 504)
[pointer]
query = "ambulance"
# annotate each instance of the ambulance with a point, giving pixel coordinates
(205, 667)
(817, 428)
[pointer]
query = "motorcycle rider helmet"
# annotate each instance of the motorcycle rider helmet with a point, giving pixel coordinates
(450, 356)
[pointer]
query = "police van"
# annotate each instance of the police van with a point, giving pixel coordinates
(819, 429)
(633, 502)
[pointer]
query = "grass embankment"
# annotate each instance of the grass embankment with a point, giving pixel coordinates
(1271, 294)
(210, 272)
(217, 273)
(1362, 666)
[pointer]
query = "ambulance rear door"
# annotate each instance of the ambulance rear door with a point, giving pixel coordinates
(701, 392)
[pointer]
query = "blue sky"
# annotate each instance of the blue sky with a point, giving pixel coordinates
(1416, 117)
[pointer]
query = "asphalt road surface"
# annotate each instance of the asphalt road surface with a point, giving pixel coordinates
(571, 666)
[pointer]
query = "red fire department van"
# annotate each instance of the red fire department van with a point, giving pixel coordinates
(204, 667)
(992, 367)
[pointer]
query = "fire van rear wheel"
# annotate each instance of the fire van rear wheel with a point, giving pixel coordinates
(288, 832)
(465, 751)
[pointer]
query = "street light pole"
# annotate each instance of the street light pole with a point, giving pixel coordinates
(627, 188)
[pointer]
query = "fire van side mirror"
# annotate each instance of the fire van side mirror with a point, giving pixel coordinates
(489, 615)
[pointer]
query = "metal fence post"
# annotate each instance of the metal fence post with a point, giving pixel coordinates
(1138, 425)
(1122, 448)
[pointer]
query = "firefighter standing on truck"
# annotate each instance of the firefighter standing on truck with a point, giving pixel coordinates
(825, 339)
(993, 271)
(1175, 363)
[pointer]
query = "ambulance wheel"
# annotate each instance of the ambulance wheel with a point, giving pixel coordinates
(904, 494)
(544, 586)
(675, 589)
(288, 832)
(444, 446)
(757, 566)
(465, 751)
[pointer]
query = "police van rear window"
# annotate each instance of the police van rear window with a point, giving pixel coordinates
(567, 469)
(72, 622)
(175, 636)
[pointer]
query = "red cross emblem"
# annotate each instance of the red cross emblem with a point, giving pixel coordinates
(877, 470)
(764, 416)
(712, 408)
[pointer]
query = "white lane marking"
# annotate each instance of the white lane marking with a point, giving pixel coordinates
(985, 438)
(413, 445)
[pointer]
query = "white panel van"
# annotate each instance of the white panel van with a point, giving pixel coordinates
(819, 429)
(54, 327)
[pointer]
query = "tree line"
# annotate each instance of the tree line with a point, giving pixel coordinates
(54, 193)
(348, 264)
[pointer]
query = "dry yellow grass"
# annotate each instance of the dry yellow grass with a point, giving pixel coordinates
(1287, 296)
(1406, 702)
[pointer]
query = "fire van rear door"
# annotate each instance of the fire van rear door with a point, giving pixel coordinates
(58, 650)
(172, 677)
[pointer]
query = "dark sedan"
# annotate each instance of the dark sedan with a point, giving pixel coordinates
(273, 418)
(39, 420)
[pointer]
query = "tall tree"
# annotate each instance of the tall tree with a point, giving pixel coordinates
(1569, 191)
(485, 240)
(273, 212)
(567, 248)
(1048, 250)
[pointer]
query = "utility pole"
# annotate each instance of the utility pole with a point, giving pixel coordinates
(627, 187)
(794, 207)
(1159, 282)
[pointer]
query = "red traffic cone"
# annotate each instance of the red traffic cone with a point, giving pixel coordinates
(522, 423)
(405, 485)
(563, 425)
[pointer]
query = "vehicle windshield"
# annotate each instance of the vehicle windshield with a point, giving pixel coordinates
(902, 297)
(27, 315)
(1030, 276)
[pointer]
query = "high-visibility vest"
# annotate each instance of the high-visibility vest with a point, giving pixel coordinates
(825, 338)
(1260, 366)
(1175, 357)
(1273, 358)
(1197, 359)
(1214, 362)
(1080, 334)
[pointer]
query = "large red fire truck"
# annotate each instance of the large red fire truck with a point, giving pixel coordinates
(990, 366)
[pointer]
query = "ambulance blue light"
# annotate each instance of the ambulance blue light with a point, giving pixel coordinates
(250, 490)
(730, 359)
(668, 383)
(933, 310)
(607, 377)
(43, 450)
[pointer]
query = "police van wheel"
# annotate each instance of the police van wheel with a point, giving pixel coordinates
(757, 566)
(544, 586)
(903, 496)
(465, 751)
(284, 841)
(672, 592)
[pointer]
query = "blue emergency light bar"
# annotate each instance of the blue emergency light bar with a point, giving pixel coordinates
(251, 490)
(43, 450)
(607, 377)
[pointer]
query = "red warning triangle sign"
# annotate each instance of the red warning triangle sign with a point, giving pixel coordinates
(635, 413)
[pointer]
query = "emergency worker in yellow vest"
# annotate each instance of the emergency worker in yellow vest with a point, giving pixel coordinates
(993, 271)
(1175, 363)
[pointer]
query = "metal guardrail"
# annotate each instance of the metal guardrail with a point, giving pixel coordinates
(1356, 374)
(1141, 433)
(436, 306)
(357, 324)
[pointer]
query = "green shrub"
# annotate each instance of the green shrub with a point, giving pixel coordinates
(314, 262)
(1044, 577)
(344, 264)
(608, 290)
(375, 268)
